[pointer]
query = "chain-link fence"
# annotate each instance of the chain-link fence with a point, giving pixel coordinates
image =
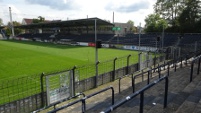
(29, 93)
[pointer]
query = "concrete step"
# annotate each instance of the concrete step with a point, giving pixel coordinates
(177, 95)
(193, 99)
(155, 95)
(174, 87)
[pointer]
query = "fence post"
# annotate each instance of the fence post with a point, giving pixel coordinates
(132, 83)
(159, 71)
(166, 92)
(191, 75)
(198, 71)
(73, 81)
(186, 58)
(148, 77)
(127, 64)
(120, 84)
(168, 69)
(113, 72)
(96, 77)
(181, 62)
(112, 95)
(147, 58)
(139, 61)
(154, 61)
(142, 72)
(164, 65)
(141, 101)
(42, 90)
(175, 66)
(83, 105)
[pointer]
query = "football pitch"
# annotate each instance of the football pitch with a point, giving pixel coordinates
(21, 61)
(22, 58)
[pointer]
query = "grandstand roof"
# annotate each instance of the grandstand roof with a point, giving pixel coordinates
(68, 23)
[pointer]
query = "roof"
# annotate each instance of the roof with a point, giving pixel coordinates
(28, 21)
(68, 23)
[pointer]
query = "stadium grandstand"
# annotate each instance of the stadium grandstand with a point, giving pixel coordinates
(82, 32)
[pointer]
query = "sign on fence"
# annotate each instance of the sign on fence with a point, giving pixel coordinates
(145, 60)
(59, 86)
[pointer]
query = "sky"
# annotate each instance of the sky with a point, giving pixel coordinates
(124, 10)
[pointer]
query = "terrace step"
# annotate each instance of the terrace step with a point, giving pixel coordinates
(154, 96)
(178, 95)
(154, 100)
(193, 99)
(179, 91)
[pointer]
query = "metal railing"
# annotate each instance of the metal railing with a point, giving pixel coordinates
(83, 100)
(198, 59)
(56, 103)
(141, 93)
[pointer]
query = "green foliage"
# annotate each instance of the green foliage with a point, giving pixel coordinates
(132, 29)
(169, 9)
(190, 16)
(182, 15)
(39, 19)
(16, 30)
(154, 23)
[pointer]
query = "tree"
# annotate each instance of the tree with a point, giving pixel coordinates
(190, 16)
(154, 23)
(132, 28)
(16, 30)
(169, 9)
(39, 19)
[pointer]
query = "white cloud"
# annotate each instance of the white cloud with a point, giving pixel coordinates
(55, 4)
(132, 7)
(76, 9)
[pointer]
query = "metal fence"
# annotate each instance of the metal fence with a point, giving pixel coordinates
(20, 95)
(29, 93)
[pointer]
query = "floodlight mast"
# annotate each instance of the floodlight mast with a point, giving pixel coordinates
(163, 37)
(139, 37)
(11, 22)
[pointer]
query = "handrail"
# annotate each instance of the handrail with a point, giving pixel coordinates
(83, 100)
(141, 92)
(120, 82)
(133, 78)
(192, 66)
(54, 104)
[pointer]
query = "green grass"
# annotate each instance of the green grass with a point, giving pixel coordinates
(22, 58)
(28, 58)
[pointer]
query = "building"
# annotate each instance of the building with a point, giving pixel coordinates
(124, 28)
